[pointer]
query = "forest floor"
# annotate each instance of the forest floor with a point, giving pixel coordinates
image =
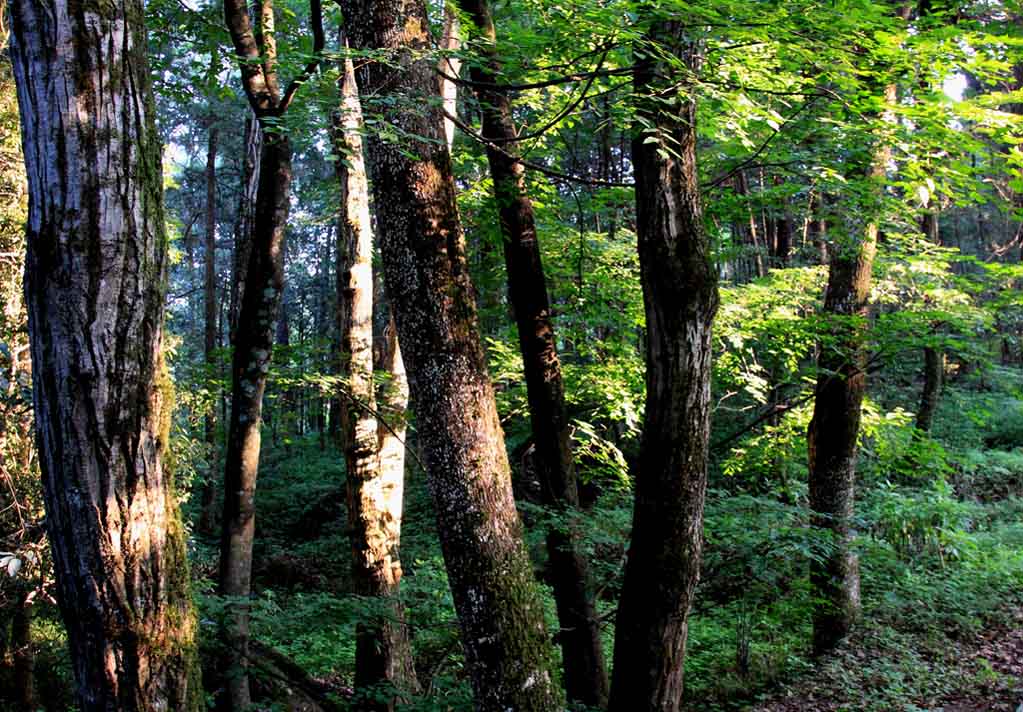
(981, 674)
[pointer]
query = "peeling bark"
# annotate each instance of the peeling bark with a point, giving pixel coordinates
(94, 289)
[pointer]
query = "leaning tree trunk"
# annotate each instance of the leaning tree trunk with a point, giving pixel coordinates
(246, 219)
(375, 478)
(94, 288)
(680, 298)
(834, 428)
(585, 675)
(499, 609)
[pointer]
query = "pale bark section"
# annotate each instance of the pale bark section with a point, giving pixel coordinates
(374, 455)
(95, 270)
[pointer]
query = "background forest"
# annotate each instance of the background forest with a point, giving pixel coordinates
(824, 133)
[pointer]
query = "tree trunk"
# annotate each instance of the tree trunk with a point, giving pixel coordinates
(680, 298)
(934, 376)
(834, 428)
(383, 654)
(585, 675)
(246, 217)
(24, 654)
(251, 363)
(206, 515)
(451, 66)
(94, 288)
(506, 647)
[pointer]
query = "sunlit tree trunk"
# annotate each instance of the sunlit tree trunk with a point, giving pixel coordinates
(585, 676)
(499, 609)
(94, 288)
(374, 457)
(680, 297)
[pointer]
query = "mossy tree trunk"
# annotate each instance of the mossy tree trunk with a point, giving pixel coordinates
(680, 298)
(499, 608)
(94, 288)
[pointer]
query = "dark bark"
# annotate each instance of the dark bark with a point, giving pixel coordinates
(246, 217)
(585, 675)
(375, 463)
(206, 515)
(23, 653)
(838, 399)
(680, 299)
(934, 377)
(94, 289)
(260, 304)
(506, 647)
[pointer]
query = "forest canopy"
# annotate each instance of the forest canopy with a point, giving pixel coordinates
(511, 355)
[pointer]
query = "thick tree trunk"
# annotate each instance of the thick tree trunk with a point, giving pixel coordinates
(838, 399)
(680, 298)
(94, 288)
(253, 345)
(206, 515)
(375, 478)
(506, 646)
(585, 675)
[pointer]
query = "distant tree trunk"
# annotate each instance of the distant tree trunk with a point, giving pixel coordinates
(94, 289)
(680, 298)
(256, 51)
(383, 654)
(582, 650)
(834, 429)
(506, 647)
(24, 654)
(207, 514)
(934, 376)
(783, 233)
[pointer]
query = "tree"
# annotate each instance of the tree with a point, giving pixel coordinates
(506, 646)
(257, 316)
(582, 650)
(374, 456)
(95, 271)
(680, 299)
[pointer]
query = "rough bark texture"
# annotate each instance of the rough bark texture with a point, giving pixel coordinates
(680, 299)
(507, 649)
(94, 288)
(206, 518)
(374, 459)
(585, 675)
(838, 399)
